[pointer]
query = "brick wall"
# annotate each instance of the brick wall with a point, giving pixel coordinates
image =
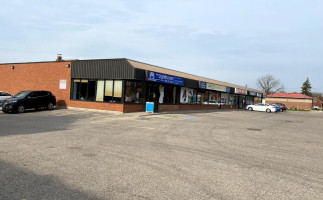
(134, 108)
(37, 76)
(292, 103)
(97, 105)
(317, 102)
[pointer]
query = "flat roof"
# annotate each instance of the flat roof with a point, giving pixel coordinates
(150, 67)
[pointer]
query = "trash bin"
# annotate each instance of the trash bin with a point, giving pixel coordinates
(150, 107)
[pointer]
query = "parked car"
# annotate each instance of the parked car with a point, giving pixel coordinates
(281, 106)
(316, 108)
(28, 100)
(262, 107)
(5, 95)
(277, 108)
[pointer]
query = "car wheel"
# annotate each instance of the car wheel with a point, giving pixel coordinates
(50, 106)
(21, 109)
(250, 109)
(268, 110)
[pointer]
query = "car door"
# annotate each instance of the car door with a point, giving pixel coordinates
(43, 99)
(30, 100)
(258, 107)
(266, 106)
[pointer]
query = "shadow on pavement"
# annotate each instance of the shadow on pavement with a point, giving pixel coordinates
(33, 122)
(16, 183)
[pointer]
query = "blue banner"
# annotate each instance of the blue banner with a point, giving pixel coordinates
(203, 85)
(251, 93)
(228, 89)
(164, 78)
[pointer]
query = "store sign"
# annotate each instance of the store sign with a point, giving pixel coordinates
(203, 85)
(240, 91)
(227, 89)
(251, 93)
(220, 88)
(164, 78)
(259, 94)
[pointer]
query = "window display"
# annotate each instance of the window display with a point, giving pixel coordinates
(214, 98)
(97, 90)
(135, 92)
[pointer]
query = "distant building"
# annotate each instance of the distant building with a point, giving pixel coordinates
(291, 100)
(317, 101)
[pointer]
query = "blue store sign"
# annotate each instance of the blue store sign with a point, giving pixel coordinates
(228, 89)
(164, 78)
(203, 85)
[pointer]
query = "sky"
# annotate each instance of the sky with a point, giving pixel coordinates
(235, 41)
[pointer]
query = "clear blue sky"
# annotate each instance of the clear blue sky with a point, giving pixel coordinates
(235, 41)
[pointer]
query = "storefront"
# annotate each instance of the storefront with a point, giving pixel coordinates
(126, 85)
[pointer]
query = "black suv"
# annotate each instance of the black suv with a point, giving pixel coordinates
(27, 100)
(282, 107)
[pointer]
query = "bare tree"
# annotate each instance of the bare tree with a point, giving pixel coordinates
(269, 84)
(317, 94)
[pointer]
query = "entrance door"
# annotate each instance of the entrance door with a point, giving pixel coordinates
(240, 102)
(153, 94)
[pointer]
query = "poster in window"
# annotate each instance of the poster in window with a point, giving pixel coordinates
(184, 95)
(62, 84)
(190, 95)
(161, 92)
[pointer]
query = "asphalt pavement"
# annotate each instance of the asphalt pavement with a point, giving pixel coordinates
(79, 154)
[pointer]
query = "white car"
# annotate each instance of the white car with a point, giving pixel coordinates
(316, 108)
(5, 95)
(262, 107)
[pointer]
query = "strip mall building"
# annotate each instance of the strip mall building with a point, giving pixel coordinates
(124, 85)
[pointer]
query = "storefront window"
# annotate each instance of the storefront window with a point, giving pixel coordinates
(113, 91)
(108, 90)
(188, 96)
(76, 88)
(192, 96)
(91, 90)
(249, 100)
(235, 99)
(83, 89)
(214, 98)
(232, 99)
(100, 90)
(225, 99)
(97, 90)
(135, 92)
(117, 91)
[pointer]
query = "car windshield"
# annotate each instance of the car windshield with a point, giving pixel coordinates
(21, 94)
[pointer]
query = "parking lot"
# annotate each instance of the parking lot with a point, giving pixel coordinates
(80, 154)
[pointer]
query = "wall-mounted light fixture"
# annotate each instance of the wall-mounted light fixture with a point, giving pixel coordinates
(12, 67)
(68, 66)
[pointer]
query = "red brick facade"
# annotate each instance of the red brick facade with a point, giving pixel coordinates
(37, 76)
(318, 102)
(292, 103)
